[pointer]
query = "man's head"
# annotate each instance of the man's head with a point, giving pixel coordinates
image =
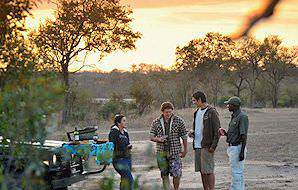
(199, 99)
(167, 109)
(233, 103)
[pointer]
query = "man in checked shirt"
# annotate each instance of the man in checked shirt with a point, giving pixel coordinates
(166, 131)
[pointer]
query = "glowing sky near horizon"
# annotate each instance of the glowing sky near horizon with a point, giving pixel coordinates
(165, 24)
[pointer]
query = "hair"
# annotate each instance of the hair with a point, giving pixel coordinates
(166, 105)
(118, 119)
(200, 96)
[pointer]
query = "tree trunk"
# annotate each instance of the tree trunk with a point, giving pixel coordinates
(65, 113)
(238, 86)
(275, 96)
(252, 98)
(238, 91)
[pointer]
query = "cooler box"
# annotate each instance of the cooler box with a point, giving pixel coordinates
(102, 153)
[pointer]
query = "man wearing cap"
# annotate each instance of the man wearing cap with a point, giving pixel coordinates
(236, 139)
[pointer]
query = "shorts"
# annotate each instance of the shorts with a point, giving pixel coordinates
(169, 164)
(204, 161)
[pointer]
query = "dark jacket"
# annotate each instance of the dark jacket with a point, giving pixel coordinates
(120, 141)
(211, 124)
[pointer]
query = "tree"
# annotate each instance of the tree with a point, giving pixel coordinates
(250, 51)
(206, 56)
(27, 108)
(142, 93)
(159, 78)
(82, 26)
(28, 100)
(236, 72)
(185, 83)
(15, 55)
(277, 62)
(12, 17)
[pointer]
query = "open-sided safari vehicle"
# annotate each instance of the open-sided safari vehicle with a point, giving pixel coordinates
(70, 162)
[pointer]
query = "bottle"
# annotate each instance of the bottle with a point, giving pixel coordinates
(76, 135)
(95, 138)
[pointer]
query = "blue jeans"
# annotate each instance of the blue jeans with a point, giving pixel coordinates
(123, 167)
(237, 167)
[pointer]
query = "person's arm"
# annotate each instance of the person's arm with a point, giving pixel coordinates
(157, 139)
(215, 127)
(243, 142)
(184, 152)
(153, 134)
(243, 125)
(129, 146)
(113, 137)
(183, 135)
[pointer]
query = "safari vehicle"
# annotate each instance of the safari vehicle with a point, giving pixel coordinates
(64, 168)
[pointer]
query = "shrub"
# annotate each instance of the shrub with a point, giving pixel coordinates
(26, 107)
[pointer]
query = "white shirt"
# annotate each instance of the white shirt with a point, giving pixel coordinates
(199, 127)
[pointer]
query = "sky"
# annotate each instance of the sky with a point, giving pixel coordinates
(166, 24)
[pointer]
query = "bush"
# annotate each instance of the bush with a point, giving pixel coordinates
(80, 105)
(284, 101)
(221, 101)
(289, 97)
(115, 106)
(26, 108)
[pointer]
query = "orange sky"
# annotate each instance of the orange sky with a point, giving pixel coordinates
(168, 23)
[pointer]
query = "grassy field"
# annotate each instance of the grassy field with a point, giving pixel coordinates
(272, 159)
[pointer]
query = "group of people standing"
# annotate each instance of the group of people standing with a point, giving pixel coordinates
(168, 130)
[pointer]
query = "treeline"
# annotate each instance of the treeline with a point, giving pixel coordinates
(263, 73)
(246, 65)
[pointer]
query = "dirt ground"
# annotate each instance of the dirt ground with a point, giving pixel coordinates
(271, 164)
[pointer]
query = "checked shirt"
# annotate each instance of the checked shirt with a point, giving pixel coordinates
(177, 131)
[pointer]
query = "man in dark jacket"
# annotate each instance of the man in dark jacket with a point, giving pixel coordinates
(205, 139)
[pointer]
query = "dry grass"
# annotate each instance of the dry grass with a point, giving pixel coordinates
(271, 163)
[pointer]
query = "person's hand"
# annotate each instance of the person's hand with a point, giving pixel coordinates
(241, 156)
(211, 150)
(191, 134)
(183, 154)
(160, 140)
(129, 146)
(222, 131)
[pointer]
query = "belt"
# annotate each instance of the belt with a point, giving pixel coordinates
(234, 144)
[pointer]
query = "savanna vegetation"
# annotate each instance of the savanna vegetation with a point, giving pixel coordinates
(39, 92)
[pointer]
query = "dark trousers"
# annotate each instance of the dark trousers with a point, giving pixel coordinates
(123, 167)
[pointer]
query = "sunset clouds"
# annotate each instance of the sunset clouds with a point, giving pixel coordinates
(168, 23)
